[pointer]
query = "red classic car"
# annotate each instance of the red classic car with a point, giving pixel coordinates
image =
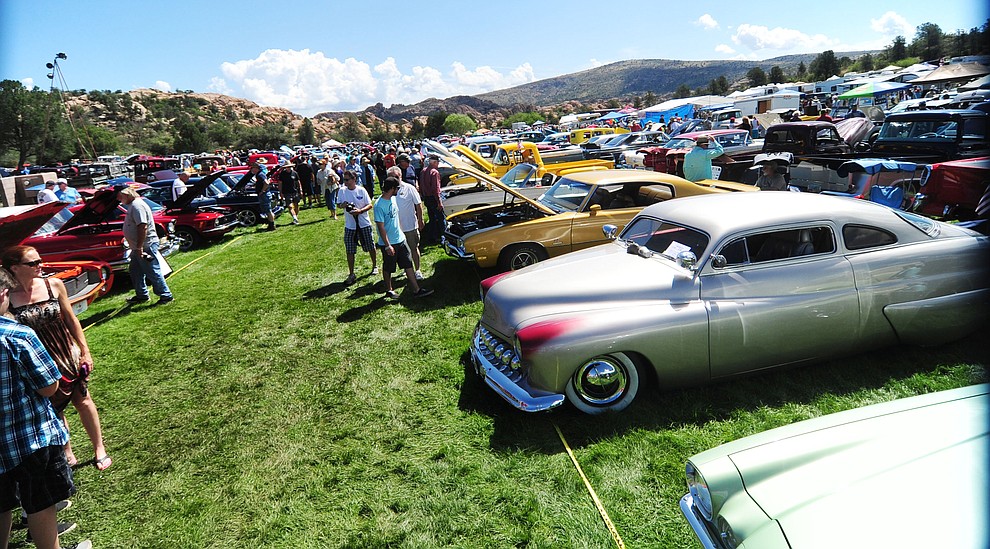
(93, 231)
(739, 146)
(193, 224)
(954, 189)
(84, 280)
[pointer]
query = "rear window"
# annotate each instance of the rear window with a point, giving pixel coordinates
(860, 237)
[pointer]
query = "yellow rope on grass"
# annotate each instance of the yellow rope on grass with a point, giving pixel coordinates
(174, 272)
(591, 491)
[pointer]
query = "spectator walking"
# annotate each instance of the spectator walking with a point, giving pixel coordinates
(43, 304)
(140, 234)
(357, 224)
(291, 190)
(698, 161)
(429, 190)
(368, 176)
(392, 242)
(410, 206)
(262, 187)
(408, 172)
(305, 174)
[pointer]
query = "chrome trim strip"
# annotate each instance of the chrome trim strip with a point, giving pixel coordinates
(698, 524)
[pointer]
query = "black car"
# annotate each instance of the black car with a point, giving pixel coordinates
(231, 192)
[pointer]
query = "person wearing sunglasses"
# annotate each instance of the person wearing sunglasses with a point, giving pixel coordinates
(43, 304)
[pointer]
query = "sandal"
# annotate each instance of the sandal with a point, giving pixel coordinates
(103, 463)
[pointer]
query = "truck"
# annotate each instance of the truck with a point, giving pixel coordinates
(508, 155)
(922, 137)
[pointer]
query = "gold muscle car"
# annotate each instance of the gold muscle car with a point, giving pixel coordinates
(569, 216)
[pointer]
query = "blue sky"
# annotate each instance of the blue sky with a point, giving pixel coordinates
(311, 57)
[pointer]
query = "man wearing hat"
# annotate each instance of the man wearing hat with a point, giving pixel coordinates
(698, 161)
(65, 193)
(429, 190)
(48, 193)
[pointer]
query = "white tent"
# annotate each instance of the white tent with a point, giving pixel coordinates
(331, 143)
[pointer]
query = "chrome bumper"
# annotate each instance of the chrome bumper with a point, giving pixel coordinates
(698, 524)
(220, 230)
(508, 383)
(455, 251)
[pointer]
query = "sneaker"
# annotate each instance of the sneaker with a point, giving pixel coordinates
(84, 544)
(63, 527)
(351, 279)
(295, 221)
(165, 300)
(138, 299)
(374, 271)
(419, 275)
(423, 292)
(391, 295)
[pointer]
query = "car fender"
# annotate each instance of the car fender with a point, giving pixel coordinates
(671, 337)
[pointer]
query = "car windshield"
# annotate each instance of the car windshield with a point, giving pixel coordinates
(221, 186)
(930, 130)
(55, 223)
(679, 143)
(566, 195)
(736, 139)
(523, 175)
(663, 237)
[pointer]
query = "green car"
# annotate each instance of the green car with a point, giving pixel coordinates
(907, 473)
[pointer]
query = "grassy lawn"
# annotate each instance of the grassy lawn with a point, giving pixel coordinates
(272, 406)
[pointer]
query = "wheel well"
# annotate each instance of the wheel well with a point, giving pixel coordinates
(509, 249)
(648, 374)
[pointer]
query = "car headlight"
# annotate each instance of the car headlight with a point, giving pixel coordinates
(699, 491)
(726, 534)
(171, 226)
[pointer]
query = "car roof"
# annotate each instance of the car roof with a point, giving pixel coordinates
(606, 177)
(720, 214)
(691, 135)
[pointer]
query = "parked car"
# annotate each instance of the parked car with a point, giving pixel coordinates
(705, 288)
(568, 216)
(614, 148)
(84, 280)
(739, 146)
(93, 232)
(194, 224)
(524, 178)
(954, 190)
(839, 479)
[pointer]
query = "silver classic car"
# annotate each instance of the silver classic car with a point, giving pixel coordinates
(906, 473)
(708, 287)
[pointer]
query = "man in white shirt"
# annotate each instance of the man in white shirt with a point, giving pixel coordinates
(357, 224)
(179, 185)
(48, 193)
(410, 206)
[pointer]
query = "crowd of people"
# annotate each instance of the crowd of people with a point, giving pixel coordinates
(386, 189)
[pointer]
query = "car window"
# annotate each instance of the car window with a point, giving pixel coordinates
(974, 128)
(664, 238)
(782, 244)
(566, 194)
(859, 237)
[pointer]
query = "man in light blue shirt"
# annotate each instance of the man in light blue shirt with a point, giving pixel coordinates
(65, 193)
(392, 241)
(698, 161)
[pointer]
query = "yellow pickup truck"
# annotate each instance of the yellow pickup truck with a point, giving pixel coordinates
(509, 155)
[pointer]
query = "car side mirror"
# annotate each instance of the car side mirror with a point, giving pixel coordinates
(595, 208)
(610, 231)
(719, 261)
(687, 260)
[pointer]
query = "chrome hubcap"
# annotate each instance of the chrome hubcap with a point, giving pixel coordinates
(601, 381)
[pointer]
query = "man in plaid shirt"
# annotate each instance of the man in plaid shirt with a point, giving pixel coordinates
(33, 471)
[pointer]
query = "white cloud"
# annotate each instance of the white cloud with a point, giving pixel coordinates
(162, 86)
(757, 37)
(707, 21)
(309, 82)
(724, 48)
(28, 83)
(892, 24)
(219, 85)
(594, 63)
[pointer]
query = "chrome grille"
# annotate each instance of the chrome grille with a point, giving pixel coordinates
(499, 353)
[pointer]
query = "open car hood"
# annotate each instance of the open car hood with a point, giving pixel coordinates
(465, 169)
(194, 190)
(94, 210)
(20, 222)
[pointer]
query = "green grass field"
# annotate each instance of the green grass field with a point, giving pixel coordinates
(272, 406)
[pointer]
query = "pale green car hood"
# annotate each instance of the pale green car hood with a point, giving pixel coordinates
(908, 473)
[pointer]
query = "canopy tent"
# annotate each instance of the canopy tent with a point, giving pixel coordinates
(331, 143)
(613, 116)
(684, 111)
(874, 166)
(872, 89)
(954, 71)
(982, 82)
